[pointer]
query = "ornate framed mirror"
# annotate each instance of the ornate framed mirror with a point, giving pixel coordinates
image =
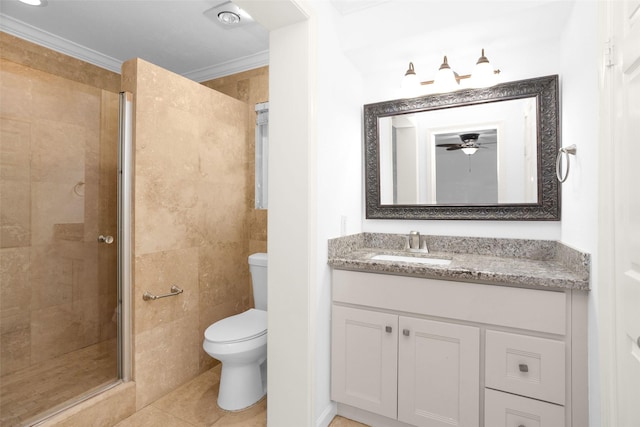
(482, 154)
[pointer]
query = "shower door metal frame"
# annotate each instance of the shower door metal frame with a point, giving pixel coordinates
(125, 206)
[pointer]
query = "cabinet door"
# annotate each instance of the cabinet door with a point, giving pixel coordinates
(438, 373)
(364, 357)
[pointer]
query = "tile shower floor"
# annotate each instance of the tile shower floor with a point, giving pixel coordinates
(28, 392)
(193, 405)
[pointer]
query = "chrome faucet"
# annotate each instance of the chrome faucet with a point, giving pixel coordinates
(416, 244)
(414, 240)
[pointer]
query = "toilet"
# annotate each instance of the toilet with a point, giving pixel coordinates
(240, 343)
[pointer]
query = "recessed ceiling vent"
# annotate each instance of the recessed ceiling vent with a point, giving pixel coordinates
(228, 15)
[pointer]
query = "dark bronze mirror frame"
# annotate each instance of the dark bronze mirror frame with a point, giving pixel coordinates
(544, 89)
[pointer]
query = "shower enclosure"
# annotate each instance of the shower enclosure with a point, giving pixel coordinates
(60, 241)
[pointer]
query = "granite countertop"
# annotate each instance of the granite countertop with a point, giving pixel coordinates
(540, 264)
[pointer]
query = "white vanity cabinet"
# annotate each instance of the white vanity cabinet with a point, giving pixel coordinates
(438, 373)
(422, 372)
(410, 351)
(365, 357)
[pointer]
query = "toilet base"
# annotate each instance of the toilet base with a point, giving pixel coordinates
(240, 386)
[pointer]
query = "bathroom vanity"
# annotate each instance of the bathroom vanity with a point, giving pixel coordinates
(494, 337)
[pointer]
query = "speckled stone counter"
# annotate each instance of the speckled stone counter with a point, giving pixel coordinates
(541, 264)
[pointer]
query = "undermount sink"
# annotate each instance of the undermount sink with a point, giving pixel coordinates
(411, 259)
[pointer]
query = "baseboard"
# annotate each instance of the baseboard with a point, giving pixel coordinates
(327, 415)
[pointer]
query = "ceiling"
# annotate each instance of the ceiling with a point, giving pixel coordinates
(174, 34)
(374, 34)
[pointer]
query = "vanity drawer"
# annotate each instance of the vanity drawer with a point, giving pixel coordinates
(507, 410)
(525, 365)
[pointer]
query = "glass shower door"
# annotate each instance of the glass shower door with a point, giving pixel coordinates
(58, 281)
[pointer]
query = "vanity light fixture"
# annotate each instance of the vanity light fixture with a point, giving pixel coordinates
(447, 80)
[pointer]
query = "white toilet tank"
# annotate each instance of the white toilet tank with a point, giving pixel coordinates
(258, 268)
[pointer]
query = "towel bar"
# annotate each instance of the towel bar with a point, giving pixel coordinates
(148, 296)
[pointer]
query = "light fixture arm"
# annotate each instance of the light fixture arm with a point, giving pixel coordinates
(458, 78)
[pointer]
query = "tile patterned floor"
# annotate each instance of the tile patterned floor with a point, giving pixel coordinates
(31, 391)
(193, 405)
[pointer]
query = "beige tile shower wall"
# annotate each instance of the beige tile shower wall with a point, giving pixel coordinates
(190, 222)
(49, 143)
(251, 87)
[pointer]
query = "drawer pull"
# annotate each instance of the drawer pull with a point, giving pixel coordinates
(405, 332)
(523, 368)
(388, 329)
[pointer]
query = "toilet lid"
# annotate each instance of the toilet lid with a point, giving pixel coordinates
(240, 327)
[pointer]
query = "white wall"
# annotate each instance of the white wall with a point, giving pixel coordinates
(339, 157)
(292, 210)
(315, 178)
(291, 244)
(580, 106)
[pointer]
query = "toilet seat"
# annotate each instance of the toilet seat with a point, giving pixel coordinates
(240, 327)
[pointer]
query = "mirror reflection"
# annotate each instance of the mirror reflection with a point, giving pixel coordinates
(470, 155)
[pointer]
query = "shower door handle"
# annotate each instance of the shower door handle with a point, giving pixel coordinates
(105, 239)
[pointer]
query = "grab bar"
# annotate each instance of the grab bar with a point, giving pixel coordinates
(148, 296)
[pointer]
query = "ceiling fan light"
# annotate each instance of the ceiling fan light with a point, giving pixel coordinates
(469, 150)
(34, 2)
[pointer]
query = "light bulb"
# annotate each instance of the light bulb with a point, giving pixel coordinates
(34, 2)
(483, 75)
(410, 82)
(445, 80)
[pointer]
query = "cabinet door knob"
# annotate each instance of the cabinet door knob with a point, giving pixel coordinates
(388, 329)
(405, 332)
(523, 368)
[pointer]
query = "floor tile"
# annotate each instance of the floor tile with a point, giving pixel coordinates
(339, 421)
(152, 417)
(254, 416)
(195, 401)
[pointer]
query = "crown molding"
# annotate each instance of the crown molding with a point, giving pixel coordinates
(35, 35)
(234, 66)
(32, 34)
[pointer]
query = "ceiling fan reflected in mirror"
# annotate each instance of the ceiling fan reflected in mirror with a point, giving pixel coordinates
(469, 144)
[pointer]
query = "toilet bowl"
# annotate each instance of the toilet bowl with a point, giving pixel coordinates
(240, 343)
